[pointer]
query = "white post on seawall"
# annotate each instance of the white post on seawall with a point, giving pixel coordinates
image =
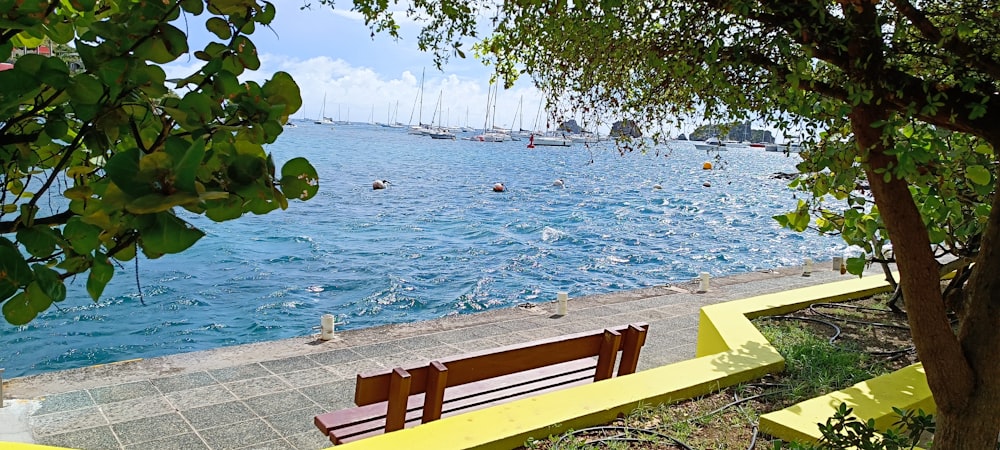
(703, 282)
(837, 262)
(326, 327)
(808, 269)
(563, 306)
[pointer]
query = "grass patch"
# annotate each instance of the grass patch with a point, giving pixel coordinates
(814, 366)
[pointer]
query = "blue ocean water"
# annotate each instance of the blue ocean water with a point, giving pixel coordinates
(437, 242)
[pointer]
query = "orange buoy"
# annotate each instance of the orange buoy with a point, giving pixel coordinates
(499, 187)
(707, 166)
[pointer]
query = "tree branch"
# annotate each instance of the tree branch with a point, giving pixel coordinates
(954, 44)
(12, 226)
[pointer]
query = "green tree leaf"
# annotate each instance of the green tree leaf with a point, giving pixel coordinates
(38, 240)
(83, 236)
(978, 174)
(101, 272)
(169, 234)
(18, 310)
(49, 282)
(14, 272)
(299, 179)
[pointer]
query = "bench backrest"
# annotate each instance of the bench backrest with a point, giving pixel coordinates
(398, 384)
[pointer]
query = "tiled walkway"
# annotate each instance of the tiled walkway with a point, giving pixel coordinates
(264, 396)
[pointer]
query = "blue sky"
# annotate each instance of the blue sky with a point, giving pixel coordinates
(331, 53)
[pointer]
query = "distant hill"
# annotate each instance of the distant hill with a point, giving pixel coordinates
(627, 128)
(571, 126)
(739, 132)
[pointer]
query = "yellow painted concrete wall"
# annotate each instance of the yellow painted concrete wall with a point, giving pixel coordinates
(730, 351)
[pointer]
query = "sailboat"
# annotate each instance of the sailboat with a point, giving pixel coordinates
(323, 120)
(343, 122)
(439, 131)
(489, 135)
(418, 105)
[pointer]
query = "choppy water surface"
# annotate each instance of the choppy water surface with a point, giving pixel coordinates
(437, 242)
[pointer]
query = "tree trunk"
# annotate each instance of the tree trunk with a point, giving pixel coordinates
(962, 374)
(961, 370)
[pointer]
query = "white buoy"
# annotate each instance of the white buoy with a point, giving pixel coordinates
(559, 183)
(808, 269)
(563, 298)
(657, 186)
(326, 327)
(837, 262)
(703, 282)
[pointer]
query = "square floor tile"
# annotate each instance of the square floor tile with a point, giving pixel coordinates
(66, 421)
(289, 364)
(257, 386)
(379, 349)
(279, 402)
(237, 373)
(193, 398)
(217, 415)
(309, 377)
(189, 441)
(136, 408)
(313, 440)
(239, 435)
(295, 422)
(338, 356)
(122, 392)
(332, 396)
(151, 428)
(278, 444)
(183, 382)
(97, 438)
(66, 401)
(418, 342)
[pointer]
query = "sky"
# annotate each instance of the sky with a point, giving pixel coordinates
(331, 54)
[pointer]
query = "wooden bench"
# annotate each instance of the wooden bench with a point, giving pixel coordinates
(401, 398)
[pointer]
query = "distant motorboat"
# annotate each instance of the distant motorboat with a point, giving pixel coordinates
(442, 134)
(787, 148)
(584, 138)
(490, 137)
(421, 130)
(710, 144)
(551, 141)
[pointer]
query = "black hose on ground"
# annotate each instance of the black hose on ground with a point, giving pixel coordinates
(620, 437)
